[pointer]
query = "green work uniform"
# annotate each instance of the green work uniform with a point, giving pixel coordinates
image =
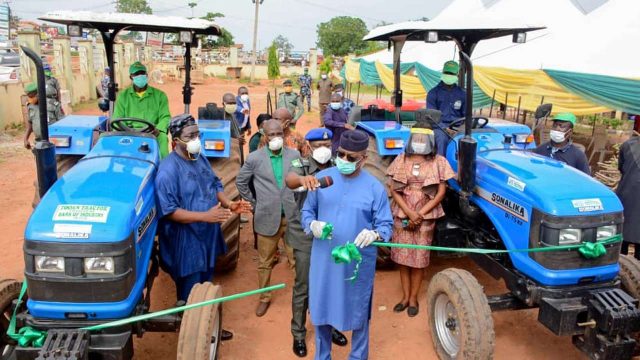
(54, 113)
(152, 106)
(293, 103)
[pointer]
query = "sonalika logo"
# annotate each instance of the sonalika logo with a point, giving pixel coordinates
(507, 204)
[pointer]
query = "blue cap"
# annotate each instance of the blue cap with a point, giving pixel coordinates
(319, 134)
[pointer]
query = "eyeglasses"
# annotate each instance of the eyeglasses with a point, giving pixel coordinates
(189, 137)
(351, 158)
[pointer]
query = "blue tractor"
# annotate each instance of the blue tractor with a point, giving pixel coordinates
(89, 246)
(506, 198)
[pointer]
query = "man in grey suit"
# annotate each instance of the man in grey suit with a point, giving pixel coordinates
(276, 212)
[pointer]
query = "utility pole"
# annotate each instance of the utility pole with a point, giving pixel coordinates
(192, 5)
(255, 39)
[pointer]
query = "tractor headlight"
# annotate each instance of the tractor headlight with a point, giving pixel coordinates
(49, 264)
(98, 265)
(604, 232)
(214, 145)
(570, 236)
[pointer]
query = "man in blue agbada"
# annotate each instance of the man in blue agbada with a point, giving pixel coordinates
(450, 99)
(192, 205)
(357, 207)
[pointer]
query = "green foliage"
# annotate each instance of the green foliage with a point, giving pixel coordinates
(212, 42)
(326, 65)
(608, 122)
(283, 44)
(273, 67)
(133, 6)
(342, 35)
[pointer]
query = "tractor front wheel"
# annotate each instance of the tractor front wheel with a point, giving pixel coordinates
(201, 327)
(9, 291)
(630, 275)
(459, 316)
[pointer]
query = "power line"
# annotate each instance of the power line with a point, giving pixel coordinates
(334, 10)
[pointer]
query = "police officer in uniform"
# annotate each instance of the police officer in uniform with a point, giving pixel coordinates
(291, 101)
(320, 141)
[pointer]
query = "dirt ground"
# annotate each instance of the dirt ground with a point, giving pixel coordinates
(393, 336)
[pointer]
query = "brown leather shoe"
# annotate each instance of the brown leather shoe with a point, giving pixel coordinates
(262, 308)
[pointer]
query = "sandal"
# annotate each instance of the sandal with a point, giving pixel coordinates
(412, 311)
(400, 307)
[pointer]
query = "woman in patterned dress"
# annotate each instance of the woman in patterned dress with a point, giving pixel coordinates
(416, 180)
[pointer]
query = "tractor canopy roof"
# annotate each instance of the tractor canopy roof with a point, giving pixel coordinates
(106, 22)
(449, 29)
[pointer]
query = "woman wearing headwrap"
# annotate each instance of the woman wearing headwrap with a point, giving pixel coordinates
(416, 180)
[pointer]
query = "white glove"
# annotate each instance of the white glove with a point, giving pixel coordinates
(316, 228)
(365, 238)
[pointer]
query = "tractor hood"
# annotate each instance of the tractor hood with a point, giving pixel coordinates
(98, 199)
(556, 188)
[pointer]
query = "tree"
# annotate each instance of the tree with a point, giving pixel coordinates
(210, 42)
(273, 67)
(133, 6)
(342, 35)
(283, 44)
(327, 65)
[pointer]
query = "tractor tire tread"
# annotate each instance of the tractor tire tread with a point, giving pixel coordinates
(474, 313)
(630, 275)
(196, 328)
(9, 291)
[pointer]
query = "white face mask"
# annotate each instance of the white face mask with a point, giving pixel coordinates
(193, 147)
(418, 148)
(275, 144)
(324, 77)
(321, 154)
(244, 97)
(557, 136)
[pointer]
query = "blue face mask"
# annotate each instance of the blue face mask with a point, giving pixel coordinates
(346, 167)
(140, 81)
(335, 105)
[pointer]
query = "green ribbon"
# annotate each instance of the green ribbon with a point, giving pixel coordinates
(29, 336)
(592, 250)
(346, 254)
(327, 231)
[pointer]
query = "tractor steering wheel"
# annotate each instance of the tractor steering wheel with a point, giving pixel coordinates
(123, 124)
(477, 122)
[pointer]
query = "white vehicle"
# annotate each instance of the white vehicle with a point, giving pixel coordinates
(9, 74)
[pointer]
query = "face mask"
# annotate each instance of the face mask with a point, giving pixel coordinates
(275, 144)
(244, 97)
(418, 148)
(339, 93)
(193, 146)
(261, 131)
(449, 79)
(336, 105)
(230, 108)
(321, 154)
(140, 81)
(557, 136)
(346, 167)
(324, 77)
(288, 89)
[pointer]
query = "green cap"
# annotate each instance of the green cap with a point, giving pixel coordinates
(31, 87)
(451, 67)
(135, 67)
(565, 117)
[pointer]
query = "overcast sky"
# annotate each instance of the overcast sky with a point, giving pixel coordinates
(295, 19)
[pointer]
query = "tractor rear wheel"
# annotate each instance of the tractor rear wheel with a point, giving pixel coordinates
(201, 327)
(377, 166)
(9, 291)
(459, 316)
(227, 170)
(64, 163)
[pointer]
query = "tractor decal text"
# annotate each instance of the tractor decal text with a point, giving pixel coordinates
(144, 225)
(587, 205)
(504, 203)
(85, 213)
(72, 231)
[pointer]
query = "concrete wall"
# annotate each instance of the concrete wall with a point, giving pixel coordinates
(10, 108)
(261, 71)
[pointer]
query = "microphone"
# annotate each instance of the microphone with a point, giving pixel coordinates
(296, 186)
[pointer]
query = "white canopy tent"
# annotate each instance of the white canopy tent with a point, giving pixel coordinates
(601, 42)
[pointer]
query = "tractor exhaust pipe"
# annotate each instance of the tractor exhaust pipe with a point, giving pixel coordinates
(468, 145)
(44, 151)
